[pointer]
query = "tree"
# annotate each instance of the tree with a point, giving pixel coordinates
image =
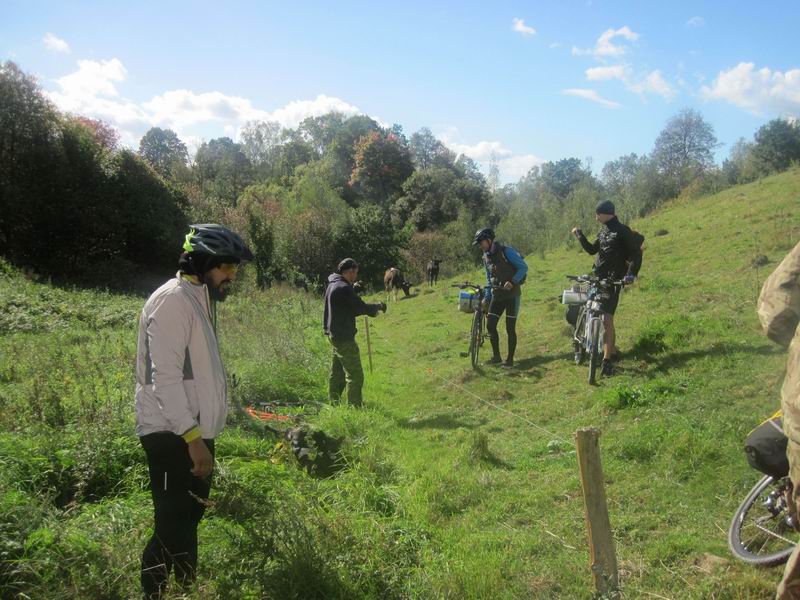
(28, 121)
(371, 236)
(320, 131)
(222, 169)
(293, 153)
(561, 177)
(469, 169)
(436, 196)
(741, 165)
(70, 206)
(684, 150)
(260, 142)
(494, 173)
(382, 164)
(427, 151)
(340, 154)
(104, 134)
(777, 145)
(162, 148)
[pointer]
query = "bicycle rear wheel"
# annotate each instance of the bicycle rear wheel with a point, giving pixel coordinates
(760, 533)
(476, 338)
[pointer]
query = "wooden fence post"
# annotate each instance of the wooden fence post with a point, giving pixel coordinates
(369, 345)
(601, 541)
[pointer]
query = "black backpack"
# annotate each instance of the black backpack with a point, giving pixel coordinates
(638, 240)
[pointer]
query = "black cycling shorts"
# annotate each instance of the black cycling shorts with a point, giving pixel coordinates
(609, 304)
(508, 305)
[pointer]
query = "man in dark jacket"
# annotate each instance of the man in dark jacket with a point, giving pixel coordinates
(342, 306)
(618, 256)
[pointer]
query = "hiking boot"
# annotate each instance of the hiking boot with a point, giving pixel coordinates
(495, 360)
(606, 369)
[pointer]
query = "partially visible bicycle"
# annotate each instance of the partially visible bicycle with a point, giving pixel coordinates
(588, 336)
(473, 303)
(763, 530)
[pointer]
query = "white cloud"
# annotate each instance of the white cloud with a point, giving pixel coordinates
(605, 46)
(519, 26)
(606, 73)
(556, 45)
(93, 78)
(55, 43)
(761, 92)
(92, 91)
(654, 83)
(591, 95)
(696, 22)
(512, 166)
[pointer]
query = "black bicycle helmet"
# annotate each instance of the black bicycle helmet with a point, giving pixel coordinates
(487, 233)
(216, 240)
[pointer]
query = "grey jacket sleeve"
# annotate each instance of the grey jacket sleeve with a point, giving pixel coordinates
(168, 330)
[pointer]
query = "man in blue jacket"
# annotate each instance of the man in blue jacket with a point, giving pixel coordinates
(506, 270)
(342, 306)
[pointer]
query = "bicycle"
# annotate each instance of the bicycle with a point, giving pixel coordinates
(589, 333)
(763, 529)
(476, 333)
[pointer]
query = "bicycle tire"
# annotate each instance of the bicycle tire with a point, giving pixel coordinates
(738, 546)
(578, 340)
(593, 354)
(476, 334)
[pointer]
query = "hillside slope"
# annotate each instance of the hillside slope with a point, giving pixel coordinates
(457, 484)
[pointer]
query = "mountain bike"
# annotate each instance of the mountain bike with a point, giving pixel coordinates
(588, 336)
(762, 531)
(477, 335)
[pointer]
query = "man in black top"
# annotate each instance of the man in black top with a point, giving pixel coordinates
(342, 306)
(617, 256)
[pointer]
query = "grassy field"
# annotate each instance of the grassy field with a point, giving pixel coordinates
(455, 484)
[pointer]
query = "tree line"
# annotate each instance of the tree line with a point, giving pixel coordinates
(73, 204)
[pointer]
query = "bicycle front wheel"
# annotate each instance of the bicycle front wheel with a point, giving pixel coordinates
(475, 338)
(760, 533)
(594, 355)
(578, 336)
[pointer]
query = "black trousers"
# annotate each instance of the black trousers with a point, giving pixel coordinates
(173, 545)
(496, 309)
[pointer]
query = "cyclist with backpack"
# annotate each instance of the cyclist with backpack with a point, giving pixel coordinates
(505, 268)
(618, 256)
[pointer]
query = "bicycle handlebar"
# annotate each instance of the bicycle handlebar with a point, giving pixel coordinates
(467, 284)
(594, 279)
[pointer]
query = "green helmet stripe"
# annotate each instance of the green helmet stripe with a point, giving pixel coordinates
(187, 245)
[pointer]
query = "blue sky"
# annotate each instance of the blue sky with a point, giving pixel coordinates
(528, 81)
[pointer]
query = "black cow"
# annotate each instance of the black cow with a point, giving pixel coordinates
(393, 281)
(433, 272)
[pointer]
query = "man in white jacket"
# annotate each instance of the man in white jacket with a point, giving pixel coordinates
(181, 398)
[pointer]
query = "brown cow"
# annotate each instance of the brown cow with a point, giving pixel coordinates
(393, 281)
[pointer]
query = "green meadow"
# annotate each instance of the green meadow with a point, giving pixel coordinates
(454, 483)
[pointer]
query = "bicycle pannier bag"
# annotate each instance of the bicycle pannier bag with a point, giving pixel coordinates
(468, 301)
(572, 313)
(765, 447)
